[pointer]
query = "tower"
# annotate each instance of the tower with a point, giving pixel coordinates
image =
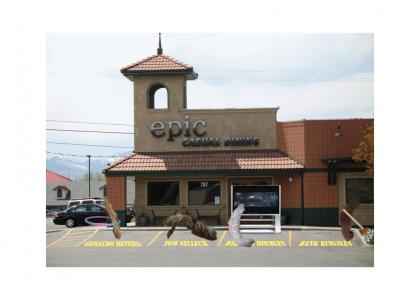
(149, 76)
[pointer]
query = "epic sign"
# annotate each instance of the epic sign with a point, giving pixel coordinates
(176, 128)
(197, 128)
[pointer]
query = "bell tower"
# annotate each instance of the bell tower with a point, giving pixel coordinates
(152, 76)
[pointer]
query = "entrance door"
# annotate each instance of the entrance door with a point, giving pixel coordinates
(246, 181)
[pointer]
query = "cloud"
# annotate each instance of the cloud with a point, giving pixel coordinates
(306, 75)
(345, 97)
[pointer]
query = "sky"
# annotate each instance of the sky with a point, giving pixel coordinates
(308, 76)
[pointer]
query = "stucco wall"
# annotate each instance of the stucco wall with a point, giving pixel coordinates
(220, 123)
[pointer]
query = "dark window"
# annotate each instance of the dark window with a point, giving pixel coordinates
(104, 191)
(360, 188)
(59, 193)
(74, 203)
(95, 208)
(70, 210)
(81, 208)
(158, 97)
(163, 193)
(87, 202)
(204, 193)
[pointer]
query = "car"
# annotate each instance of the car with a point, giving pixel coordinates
(76, 215)
(53, 212)
(85, 201)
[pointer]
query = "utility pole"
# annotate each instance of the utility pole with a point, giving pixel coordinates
(89, 174)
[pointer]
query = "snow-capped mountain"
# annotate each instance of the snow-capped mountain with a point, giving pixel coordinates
(76, 167)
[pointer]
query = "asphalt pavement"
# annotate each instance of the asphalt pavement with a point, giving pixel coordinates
(90, 246)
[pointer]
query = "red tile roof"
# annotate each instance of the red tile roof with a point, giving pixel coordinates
(157, 63)
(204, 161)
(54, 177)
(63, 187)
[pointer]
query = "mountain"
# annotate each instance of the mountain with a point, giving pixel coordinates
(76, 167)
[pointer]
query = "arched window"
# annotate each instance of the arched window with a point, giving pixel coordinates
(158, 97)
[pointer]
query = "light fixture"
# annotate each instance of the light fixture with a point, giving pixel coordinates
(338, 132)
(290, 179)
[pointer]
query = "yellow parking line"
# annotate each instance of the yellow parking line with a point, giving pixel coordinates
(88, 238)
(290, 238)
(64, 235)
(84, 232)
(156, 236)
(221, 239)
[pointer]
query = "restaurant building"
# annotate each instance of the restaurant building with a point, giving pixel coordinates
(186, 160)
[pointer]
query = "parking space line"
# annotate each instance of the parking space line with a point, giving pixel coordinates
(221, 239)
(88, 238)
(290, 238)
(64, 235)
(84, 232)
(155, 237)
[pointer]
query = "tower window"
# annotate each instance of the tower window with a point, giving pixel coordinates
(158, 97)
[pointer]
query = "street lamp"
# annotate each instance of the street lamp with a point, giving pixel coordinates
(89, 173)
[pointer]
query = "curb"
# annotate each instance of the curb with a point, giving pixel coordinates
(297, 228)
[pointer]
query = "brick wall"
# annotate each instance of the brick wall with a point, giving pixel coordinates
(321, 142)
(116, 192)
(290, 191)
(318, 194)
(309, 141)
(290, 137)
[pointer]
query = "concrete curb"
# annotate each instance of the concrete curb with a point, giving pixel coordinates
(297, 228)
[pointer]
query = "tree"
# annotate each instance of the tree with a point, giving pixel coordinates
(364, 151)
(93, 177)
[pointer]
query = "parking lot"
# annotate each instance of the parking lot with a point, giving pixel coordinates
(96, 246)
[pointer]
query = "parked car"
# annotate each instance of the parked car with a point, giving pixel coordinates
(53, 212)
(85, 201)
(76, 215)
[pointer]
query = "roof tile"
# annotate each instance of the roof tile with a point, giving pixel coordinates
(157, 62)
(202, 161)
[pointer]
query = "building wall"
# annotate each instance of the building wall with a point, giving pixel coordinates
(116, 192)
(291, 139)
(221, 123)
(321, 142)
(309, 141)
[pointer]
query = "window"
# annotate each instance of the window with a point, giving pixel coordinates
(87, 202)
(95, 208)
(204, 192)
(104, 191)
(81, 208)
(59, 193)
(163, 193)
(158, 97)
(361, 188)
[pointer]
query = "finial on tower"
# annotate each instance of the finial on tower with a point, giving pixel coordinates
(159, 50)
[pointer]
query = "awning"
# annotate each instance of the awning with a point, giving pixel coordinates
(199, 162)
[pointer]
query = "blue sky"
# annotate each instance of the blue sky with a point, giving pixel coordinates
(308, 76)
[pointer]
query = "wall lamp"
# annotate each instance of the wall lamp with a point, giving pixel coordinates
(338, 132)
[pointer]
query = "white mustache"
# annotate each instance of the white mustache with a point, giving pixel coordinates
(234, 227)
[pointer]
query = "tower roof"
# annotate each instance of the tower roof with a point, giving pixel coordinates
(159, 64)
